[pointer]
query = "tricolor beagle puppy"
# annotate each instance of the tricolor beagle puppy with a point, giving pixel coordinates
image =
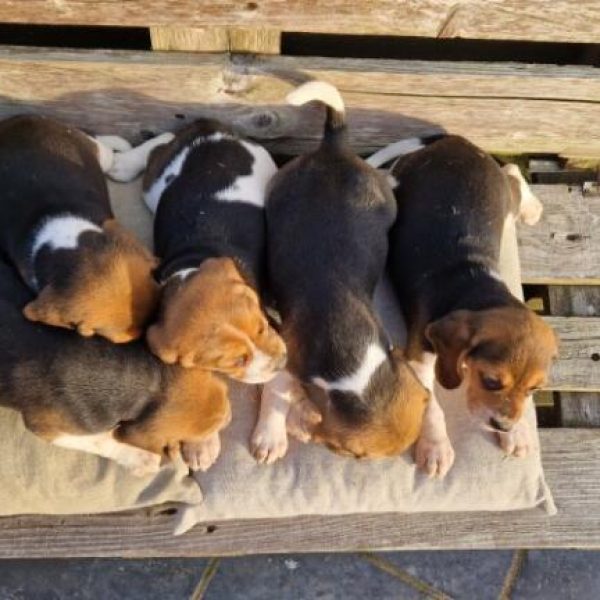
(207, 187)
(328, 217)
(117, 401)
(463, 323)
(57, 228)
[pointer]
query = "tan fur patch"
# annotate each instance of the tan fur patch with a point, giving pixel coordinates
(214, 320)
(112, 294)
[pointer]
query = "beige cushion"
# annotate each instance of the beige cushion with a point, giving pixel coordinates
(38, 478)
(312, 480)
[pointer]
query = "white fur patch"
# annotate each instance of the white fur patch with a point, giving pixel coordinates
(359, 380)
(128, 165)
(154, 193)
(183, 274)
(251, 189)
(261, 367)
(61, 232)
(141, 462)
(530, 207)
(320, 91)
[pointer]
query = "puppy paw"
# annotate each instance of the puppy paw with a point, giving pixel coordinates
(114, 142)
(139, 462)
(126, 166)
(201, 455)
(434, 457)
(518, 441)
(302, 419)
(269, 442)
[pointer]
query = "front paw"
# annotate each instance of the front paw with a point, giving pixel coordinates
(302, 420)
(269, 442)
(435, 457)
(201, 455)
(518, 441)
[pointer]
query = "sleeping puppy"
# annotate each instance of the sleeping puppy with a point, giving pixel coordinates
(328, 216)
(206, 187)
(464, 325)
(119, 402)
(57, 228)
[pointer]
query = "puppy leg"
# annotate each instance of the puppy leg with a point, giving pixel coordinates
(128, 165)
(140, 462)
(201, 455)
(195, 409)
(518, 441)
(433, 452)
(106, 146)
(269, 441)
(302, 419)
(529, 206)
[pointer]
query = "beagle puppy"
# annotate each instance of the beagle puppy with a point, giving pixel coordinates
(116, 401)
(57, 228)
(206, 187)
(464, 325)
(328, 217)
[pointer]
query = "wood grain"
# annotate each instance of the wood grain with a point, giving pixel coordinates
(577, 409)
(215, 39)
(503, 108)
(578, 364)
(559, 21)
(564, 247)
(572, 466)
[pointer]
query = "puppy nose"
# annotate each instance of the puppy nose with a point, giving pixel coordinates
(500, 425)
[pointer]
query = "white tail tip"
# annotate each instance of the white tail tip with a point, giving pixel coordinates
(395, 150)
(317, 90)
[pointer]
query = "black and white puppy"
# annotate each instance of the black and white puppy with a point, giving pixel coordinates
(328, 217)
(463, 323)
(116, 401)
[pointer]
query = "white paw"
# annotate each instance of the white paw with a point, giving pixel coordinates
(435, 457)
(531, 210)
(139, 462)
(201, 455)
(126, 166)
(114, 142)
(269, 441)
(518, 442)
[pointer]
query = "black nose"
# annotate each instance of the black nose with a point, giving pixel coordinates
(497, 425)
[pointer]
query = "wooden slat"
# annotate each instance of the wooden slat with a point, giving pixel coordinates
(215, 39)
(564, 247)
(578, 365)
(503, 108)
(577, 409)
(572, 465)
(562, 20)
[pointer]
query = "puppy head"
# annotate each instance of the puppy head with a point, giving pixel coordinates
(386, 424)
(213, 320)
(106, 288)
(504, 354)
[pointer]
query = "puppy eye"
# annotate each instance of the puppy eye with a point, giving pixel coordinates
(492, 384)
(242, 361)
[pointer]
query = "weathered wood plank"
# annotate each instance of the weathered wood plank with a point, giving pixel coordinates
(572, 464)
(577, 409)
(578, 364)
(566, 20)
(215, 39)
(508, 109)
(564, 247)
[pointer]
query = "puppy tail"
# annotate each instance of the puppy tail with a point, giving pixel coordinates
(327, 94)
(399, 149)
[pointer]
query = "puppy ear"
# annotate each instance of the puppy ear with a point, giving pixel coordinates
(450, 337)
(43, 309)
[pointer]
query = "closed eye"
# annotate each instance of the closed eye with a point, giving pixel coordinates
(492, 384)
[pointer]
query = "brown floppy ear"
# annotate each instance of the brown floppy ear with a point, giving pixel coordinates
(450, 337)
(44, 309)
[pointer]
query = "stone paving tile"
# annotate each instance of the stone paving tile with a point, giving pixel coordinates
(468, 574)
(99, 579)
(304, 577)
(559, 575)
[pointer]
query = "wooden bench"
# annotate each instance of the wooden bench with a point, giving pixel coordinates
(507, 108)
